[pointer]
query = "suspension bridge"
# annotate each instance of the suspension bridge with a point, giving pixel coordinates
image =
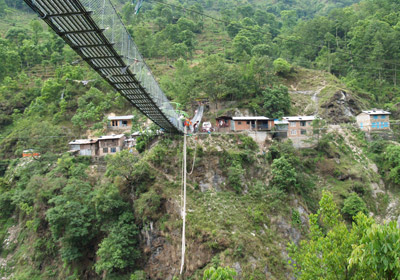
(94, 30)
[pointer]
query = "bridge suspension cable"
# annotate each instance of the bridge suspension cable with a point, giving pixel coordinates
(94, 30)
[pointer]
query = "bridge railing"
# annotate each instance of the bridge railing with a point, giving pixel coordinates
(106, 17)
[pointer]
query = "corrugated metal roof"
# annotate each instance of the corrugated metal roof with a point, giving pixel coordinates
(377, 112)
(83, 141)
(260, 118)
(300, 118)
(115, 118)
(110, 137)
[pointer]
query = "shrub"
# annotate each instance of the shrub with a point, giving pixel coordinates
(283, 175)
(138, 275)
(147, 205)
(247, 143)
(118, 250)
(220, 273)
(235, 173)
(354, 204)
(296, 221)
(72, 219)
(6, 205)
(282, 67)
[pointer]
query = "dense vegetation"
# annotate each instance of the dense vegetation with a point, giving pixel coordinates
(79, 219)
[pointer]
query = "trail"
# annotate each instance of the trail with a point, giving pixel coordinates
(197, 117)
(315, 98)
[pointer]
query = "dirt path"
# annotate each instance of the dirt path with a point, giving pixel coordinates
(314, 97)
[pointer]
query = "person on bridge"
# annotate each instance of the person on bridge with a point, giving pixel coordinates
(195, 126)
(187, 123)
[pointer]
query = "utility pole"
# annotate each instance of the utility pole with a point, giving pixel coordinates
(184, 201)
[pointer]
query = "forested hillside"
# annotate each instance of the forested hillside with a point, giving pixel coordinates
(266, 210)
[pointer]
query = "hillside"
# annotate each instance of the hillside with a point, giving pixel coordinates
(256, 207)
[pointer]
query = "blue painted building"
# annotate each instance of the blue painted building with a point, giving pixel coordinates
(374, 120)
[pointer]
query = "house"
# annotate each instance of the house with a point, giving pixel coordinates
(299, 126)
(281, 129)
(373, 120)
(224, 123)
(252, 123)
(86, 147)
(131, 141)
(120, 122)
(111, 144)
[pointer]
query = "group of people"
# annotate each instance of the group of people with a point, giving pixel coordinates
(194, 128)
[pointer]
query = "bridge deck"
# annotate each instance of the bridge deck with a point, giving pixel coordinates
(94, 30)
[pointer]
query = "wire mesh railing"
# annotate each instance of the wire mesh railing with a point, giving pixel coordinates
(107, 18)
(95, 31)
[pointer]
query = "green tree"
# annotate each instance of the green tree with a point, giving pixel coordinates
(235, 173)
(282, 67)
(289, 18)
(17, 35)
(354, 204)
(37, 28)
(392, 157)
(3, 7)
(221, 273)
(72, 219)
(276, 101)
(179, 50)
(283, 174)
(241, 45)
(379, 252)
(325, 255)
(233, 29)
(119, 250)
(10, 60)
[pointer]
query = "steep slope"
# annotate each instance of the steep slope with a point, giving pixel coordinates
(238, 214)
(320, 93)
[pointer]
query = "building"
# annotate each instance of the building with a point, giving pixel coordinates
(86, 147)
(373, 120)
(281, 129)
(252, 123)
(30, 153)
(299, 126)
(120, 122)
(111, 144)
(131, 141)
(224, 124)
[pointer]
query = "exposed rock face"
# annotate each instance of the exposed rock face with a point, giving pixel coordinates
(340, 108)
(286, 229)
(163, 250)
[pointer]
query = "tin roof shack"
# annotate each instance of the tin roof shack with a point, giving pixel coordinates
(111, 144)
(120, 123)
(252, 123)
(86, 147)
(373, 120)
(224, 124)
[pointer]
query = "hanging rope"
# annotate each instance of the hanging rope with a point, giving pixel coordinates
(184, 202)
(182, 168)
(194, 159)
